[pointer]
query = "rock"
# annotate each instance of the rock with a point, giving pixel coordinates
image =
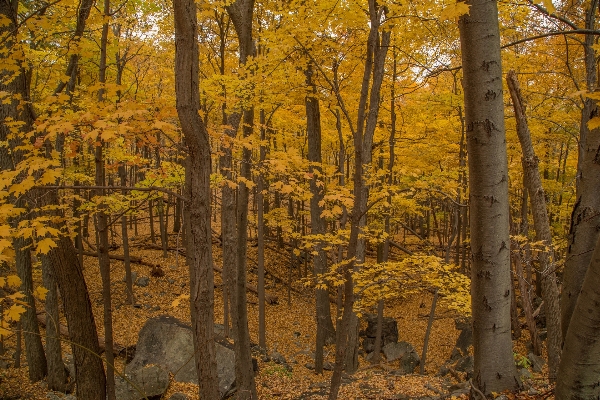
(327, 366)
(537, 362)
(142, 281)
(167, 343)
(52, 396)
(171, 281)
(277, 358)
(310, 366)
(133, 277)
(4, 364)
(155, 308)
(525, 374)
(178, 396)
(148, 381)
(389, 332)
(405, 352)
(533, 392)
(465, 339)
(464, 364)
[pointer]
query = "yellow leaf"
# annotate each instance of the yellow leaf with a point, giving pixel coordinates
(14, 312)
(176, 302)
(45, 245)
(13, 281)
(594, 123)
(549, 6)
(40, 292)
(455, 10)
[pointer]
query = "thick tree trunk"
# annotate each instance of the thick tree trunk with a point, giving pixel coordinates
(580, 363)
(197, 210)
(585, 217)
(17, 88)
(325, 329)
(494, 369)
(542, 228)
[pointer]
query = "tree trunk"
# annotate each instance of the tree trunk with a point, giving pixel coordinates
(57, 377)
(376, 52)
(494, 369)
(241, 14)
(325, 329)
(260, 221)
(197, 209)
(585, 217)
(125, 238)
(542, 229)
(10, 157)
(579, 369)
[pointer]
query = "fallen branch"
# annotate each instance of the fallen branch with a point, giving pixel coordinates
(400, 247)
(133, 259)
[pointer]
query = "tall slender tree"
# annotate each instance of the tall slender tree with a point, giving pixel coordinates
(198, 170)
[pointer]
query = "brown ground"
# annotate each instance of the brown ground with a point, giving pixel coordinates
(283, 319)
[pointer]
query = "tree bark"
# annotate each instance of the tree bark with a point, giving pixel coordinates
(363, 141)
(57, 378)
(325, 329)
(241, 14)
(197, 209)
(542, 228)
(494, 369)
(20, 111)
(585, 218)
(580, 363)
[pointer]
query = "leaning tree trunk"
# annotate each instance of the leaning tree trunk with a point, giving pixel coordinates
(197, 208)
(580, 364)
(585, 217)
(542, 228)
(325, 329)
(494, 369)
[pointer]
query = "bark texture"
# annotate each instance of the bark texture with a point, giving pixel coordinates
(580, 364)
(197, 209)
(541, 223)
(585, 217)
(241, 14)
(494, 369)
(325, 329)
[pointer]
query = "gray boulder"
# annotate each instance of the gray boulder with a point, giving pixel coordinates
(537, 362)
(167, 342)
(389, 332)
(405, 352)
(148, 381)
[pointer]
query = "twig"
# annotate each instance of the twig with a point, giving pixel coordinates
(479, 392)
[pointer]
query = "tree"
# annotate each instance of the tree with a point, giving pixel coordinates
(494, 369)
(541, 223)
(198, 169)
(325, 330)
(579, 366)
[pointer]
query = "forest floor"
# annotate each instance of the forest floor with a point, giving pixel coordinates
(290, 330)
